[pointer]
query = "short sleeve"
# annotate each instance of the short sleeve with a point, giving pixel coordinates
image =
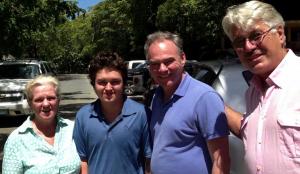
(11, 161)
(146, 134)
(211, 117)
(79, 138)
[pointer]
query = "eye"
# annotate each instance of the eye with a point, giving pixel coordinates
(169, 62)
(255, 36)
(115, 82)
(38, 100)
(153, 64)
(238, 42)
(51, 98)
(102, 82)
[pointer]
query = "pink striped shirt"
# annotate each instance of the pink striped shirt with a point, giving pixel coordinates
(271, 126)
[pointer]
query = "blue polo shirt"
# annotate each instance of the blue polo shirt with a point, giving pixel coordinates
(181, 127)
(115, 148)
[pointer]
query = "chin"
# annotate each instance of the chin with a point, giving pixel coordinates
(109, 100)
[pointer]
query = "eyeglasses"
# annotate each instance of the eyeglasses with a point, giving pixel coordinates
(255, 38)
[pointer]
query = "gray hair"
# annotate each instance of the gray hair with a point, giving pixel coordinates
(160, 36)
(245, 15)
(40, 81)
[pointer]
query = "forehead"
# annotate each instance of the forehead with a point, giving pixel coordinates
(240, 31)
(49, 88)
(162, 48)
(108, 73)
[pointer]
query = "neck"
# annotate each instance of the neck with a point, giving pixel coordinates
(169, 91)
(45, 129)
(112, 110)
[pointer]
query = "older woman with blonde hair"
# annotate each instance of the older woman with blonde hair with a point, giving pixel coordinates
(43, 143)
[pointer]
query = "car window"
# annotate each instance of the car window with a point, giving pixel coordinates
(48, 68)
(134, 65)
(18, 71)
(142, 65)
(43, 68)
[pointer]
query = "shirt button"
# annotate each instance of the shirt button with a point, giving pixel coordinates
(258, 168)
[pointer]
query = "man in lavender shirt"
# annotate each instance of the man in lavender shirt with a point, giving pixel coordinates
(270, 128)
(188, 124)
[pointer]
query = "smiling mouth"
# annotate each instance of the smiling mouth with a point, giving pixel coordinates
(46, 111)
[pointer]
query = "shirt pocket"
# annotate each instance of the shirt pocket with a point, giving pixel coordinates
(289, 133)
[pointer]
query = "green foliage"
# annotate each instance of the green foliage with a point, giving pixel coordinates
(23, 23)
(70, 45)
(112, 26)
(197, 21)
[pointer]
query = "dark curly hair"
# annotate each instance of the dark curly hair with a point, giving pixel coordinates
(107, 60)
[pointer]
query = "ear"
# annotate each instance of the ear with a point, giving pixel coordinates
(183, 58)
(281, 34)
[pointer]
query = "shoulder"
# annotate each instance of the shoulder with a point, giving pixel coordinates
(200, 90)
(66, 122)
(134, 105)
(86, 109)
(200, 85)
(15, 139)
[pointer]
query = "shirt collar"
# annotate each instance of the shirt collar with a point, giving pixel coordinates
(181, 89)
(27, 125)
(126, 111)
(279, 75)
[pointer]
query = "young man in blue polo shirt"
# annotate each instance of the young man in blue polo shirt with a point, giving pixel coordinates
(188, 125)
(111, 134)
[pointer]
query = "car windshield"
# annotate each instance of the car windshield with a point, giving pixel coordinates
(18, 71)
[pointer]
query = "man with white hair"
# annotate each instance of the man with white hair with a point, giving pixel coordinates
(270, 127)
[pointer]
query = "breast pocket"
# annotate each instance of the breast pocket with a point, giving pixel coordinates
(289, 134)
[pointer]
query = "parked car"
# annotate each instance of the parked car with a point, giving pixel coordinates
(131, 64)
(14, 75)
(139, 78)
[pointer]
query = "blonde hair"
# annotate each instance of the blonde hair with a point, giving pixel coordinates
(40, 81)
(245, 15)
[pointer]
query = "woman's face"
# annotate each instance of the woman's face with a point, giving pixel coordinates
(45, 103)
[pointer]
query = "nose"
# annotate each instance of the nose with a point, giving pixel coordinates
(108, 86)
(248, 46)
(162, 67)
(45, 102)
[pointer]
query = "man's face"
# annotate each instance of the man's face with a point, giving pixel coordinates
(166, 64)
(261, 48)
(109, 85)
